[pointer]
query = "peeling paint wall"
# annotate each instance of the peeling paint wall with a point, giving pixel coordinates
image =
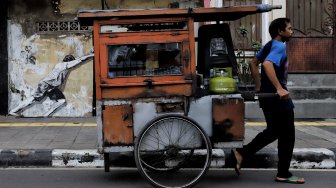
(32, 55)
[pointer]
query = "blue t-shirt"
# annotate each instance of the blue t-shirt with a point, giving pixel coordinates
(275, 52)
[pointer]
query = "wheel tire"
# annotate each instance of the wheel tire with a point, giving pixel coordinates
(172, 151)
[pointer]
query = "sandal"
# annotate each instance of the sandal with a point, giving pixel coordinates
(237, 162)
(293, 179)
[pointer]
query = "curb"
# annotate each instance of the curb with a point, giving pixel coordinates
(313, 158)
(25, 158)
(303, 158)
(76, 158)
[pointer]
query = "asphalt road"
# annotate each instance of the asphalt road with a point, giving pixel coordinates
(130, 178)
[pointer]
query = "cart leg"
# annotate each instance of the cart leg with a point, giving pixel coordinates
(107, 162)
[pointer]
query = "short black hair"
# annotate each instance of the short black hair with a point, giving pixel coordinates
(68, 58)
(277, 25)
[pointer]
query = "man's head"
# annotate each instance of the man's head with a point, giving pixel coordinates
(68, 58)
(281, 27)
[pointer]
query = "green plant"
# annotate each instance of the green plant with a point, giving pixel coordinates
(243, 71)
(243, 30)
(256, 45)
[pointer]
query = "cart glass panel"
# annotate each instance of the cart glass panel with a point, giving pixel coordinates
(154, 59)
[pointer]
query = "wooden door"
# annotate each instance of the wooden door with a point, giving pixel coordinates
(312, 47)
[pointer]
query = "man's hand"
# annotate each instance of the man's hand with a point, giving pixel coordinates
(283, 94)
(270, 72)
(257, 88)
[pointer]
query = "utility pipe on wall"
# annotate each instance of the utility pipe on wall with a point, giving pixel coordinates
(265, 20)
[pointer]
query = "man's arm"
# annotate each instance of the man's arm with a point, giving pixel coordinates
(254, 67)
(270, 72)
(77, 61)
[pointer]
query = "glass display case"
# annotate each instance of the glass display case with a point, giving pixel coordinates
(155, 59)
(145, 57)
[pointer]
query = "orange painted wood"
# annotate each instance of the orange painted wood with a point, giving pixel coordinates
(142, 20)
(96, 59)
(118, 125)
(144, 37)
(191, 46)
(143, 91)
(164, 80)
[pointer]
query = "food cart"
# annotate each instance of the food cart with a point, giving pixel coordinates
(154, 100)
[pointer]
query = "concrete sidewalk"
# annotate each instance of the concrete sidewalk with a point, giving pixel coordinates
(72, 142)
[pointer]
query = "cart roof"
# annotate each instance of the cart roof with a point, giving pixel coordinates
(86, 17)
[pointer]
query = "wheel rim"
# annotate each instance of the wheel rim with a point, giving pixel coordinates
(173, 151)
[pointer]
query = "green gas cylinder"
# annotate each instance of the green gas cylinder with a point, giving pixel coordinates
(222, 83)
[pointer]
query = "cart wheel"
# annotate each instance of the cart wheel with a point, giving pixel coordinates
(172, 151)
(107, 162)
(146, 161)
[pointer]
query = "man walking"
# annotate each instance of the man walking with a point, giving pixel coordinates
(278, 111)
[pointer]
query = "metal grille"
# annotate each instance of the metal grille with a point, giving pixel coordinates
(250, 22)
(312, 18)
(312, 49)
(61, 26)
(246, 38)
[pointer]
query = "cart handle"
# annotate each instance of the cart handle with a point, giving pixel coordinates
(252, 96)
(265, 95)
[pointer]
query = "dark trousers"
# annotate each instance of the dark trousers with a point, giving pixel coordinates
(280, 125)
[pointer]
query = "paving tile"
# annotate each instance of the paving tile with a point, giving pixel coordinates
(84, 146)
(5, 138)
(84, 141)
(60, 145)
(61, 138)
(14, 145)
(83, 135)
(44, 137)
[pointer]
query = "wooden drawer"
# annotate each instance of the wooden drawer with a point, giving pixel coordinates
(228, 119)
(118, 125)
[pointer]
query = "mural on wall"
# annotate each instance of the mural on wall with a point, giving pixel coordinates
(51, 86)
(42, 82)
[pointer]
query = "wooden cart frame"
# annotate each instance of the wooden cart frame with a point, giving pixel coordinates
(165, 118)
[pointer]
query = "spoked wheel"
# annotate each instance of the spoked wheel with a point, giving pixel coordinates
(172, 151)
